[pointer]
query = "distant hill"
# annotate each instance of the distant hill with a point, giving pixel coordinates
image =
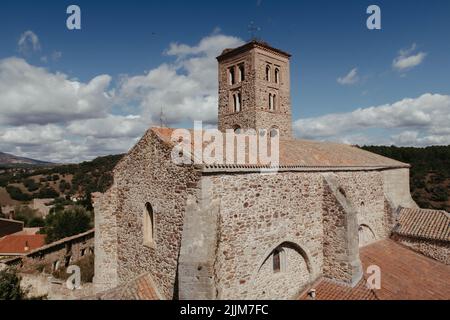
(429, 175)
(9, 159)
(24, 183)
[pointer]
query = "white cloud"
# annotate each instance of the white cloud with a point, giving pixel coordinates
(46, 115)
(351, 78)
(32, 95)
(113, 126)
(423, 120)
(186, 90)
(31, 135)
(406, 60)
(28, 42)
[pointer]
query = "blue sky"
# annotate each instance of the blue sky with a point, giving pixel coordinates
(337, 66)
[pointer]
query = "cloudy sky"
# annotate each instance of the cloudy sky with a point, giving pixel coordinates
(68, 96)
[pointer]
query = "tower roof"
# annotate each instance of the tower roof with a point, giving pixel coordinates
(250, 45)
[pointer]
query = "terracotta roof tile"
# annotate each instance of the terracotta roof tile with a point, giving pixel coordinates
(16, 244)
(306, 153)
(327, 289)
(423, 223)
(405, 274)
(141, 288)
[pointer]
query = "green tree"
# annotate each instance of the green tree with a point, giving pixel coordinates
(47, 192)
(10, 286)
(25, 214)
(31, 185)
(17, 194)
(71, 221)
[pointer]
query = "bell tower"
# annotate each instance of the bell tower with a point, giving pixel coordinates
(254, 89)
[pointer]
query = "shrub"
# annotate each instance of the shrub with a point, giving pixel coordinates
(25, 214)
(86, 265)
(17, 194)
(10, 286)
(71, 221)
(47, 192)
(30, 185)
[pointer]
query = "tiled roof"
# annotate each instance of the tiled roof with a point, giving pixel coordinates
(16, 244)
(327, 289)
(249, 45)
(406, 274)
(141, 288)
(309, 154)
(423, 223)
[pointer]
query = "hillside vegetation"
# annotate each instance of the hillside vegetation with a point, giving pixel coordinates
(72, 180)
(429, 175)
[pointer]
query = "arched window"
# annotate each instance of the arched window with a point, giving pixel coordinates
(237, 129)
(149, 224)
(278, 254)
(277, 75)
(241, 73)
(237, 100)
(267, 73)
(274, 102)
(231, 76)
(271, 102)
(273, 132)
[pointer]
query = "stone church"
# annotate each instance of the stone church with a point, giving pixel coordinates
(226, 231)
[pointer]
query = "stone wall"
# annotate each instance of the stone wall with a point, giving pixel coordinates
(106, 261)
(198, 246)
(39, 285)
(259, 213)
(340, 228)
(56, 255)
(146, 175)
(365, 191)
(396, 188)
(438, 250)
(300, 211)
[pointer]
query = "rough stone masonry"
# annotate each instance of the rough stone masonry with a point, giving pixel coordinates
(230, 232)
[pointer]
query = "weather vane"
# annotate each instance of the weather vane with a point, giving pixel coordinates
(253, 29)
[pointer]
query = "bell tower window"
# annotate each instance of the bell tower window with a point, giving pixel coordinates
(237, 101)
(241, 73)
(268, 73)
(231, 76)
(272, 102)
(277, 75)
